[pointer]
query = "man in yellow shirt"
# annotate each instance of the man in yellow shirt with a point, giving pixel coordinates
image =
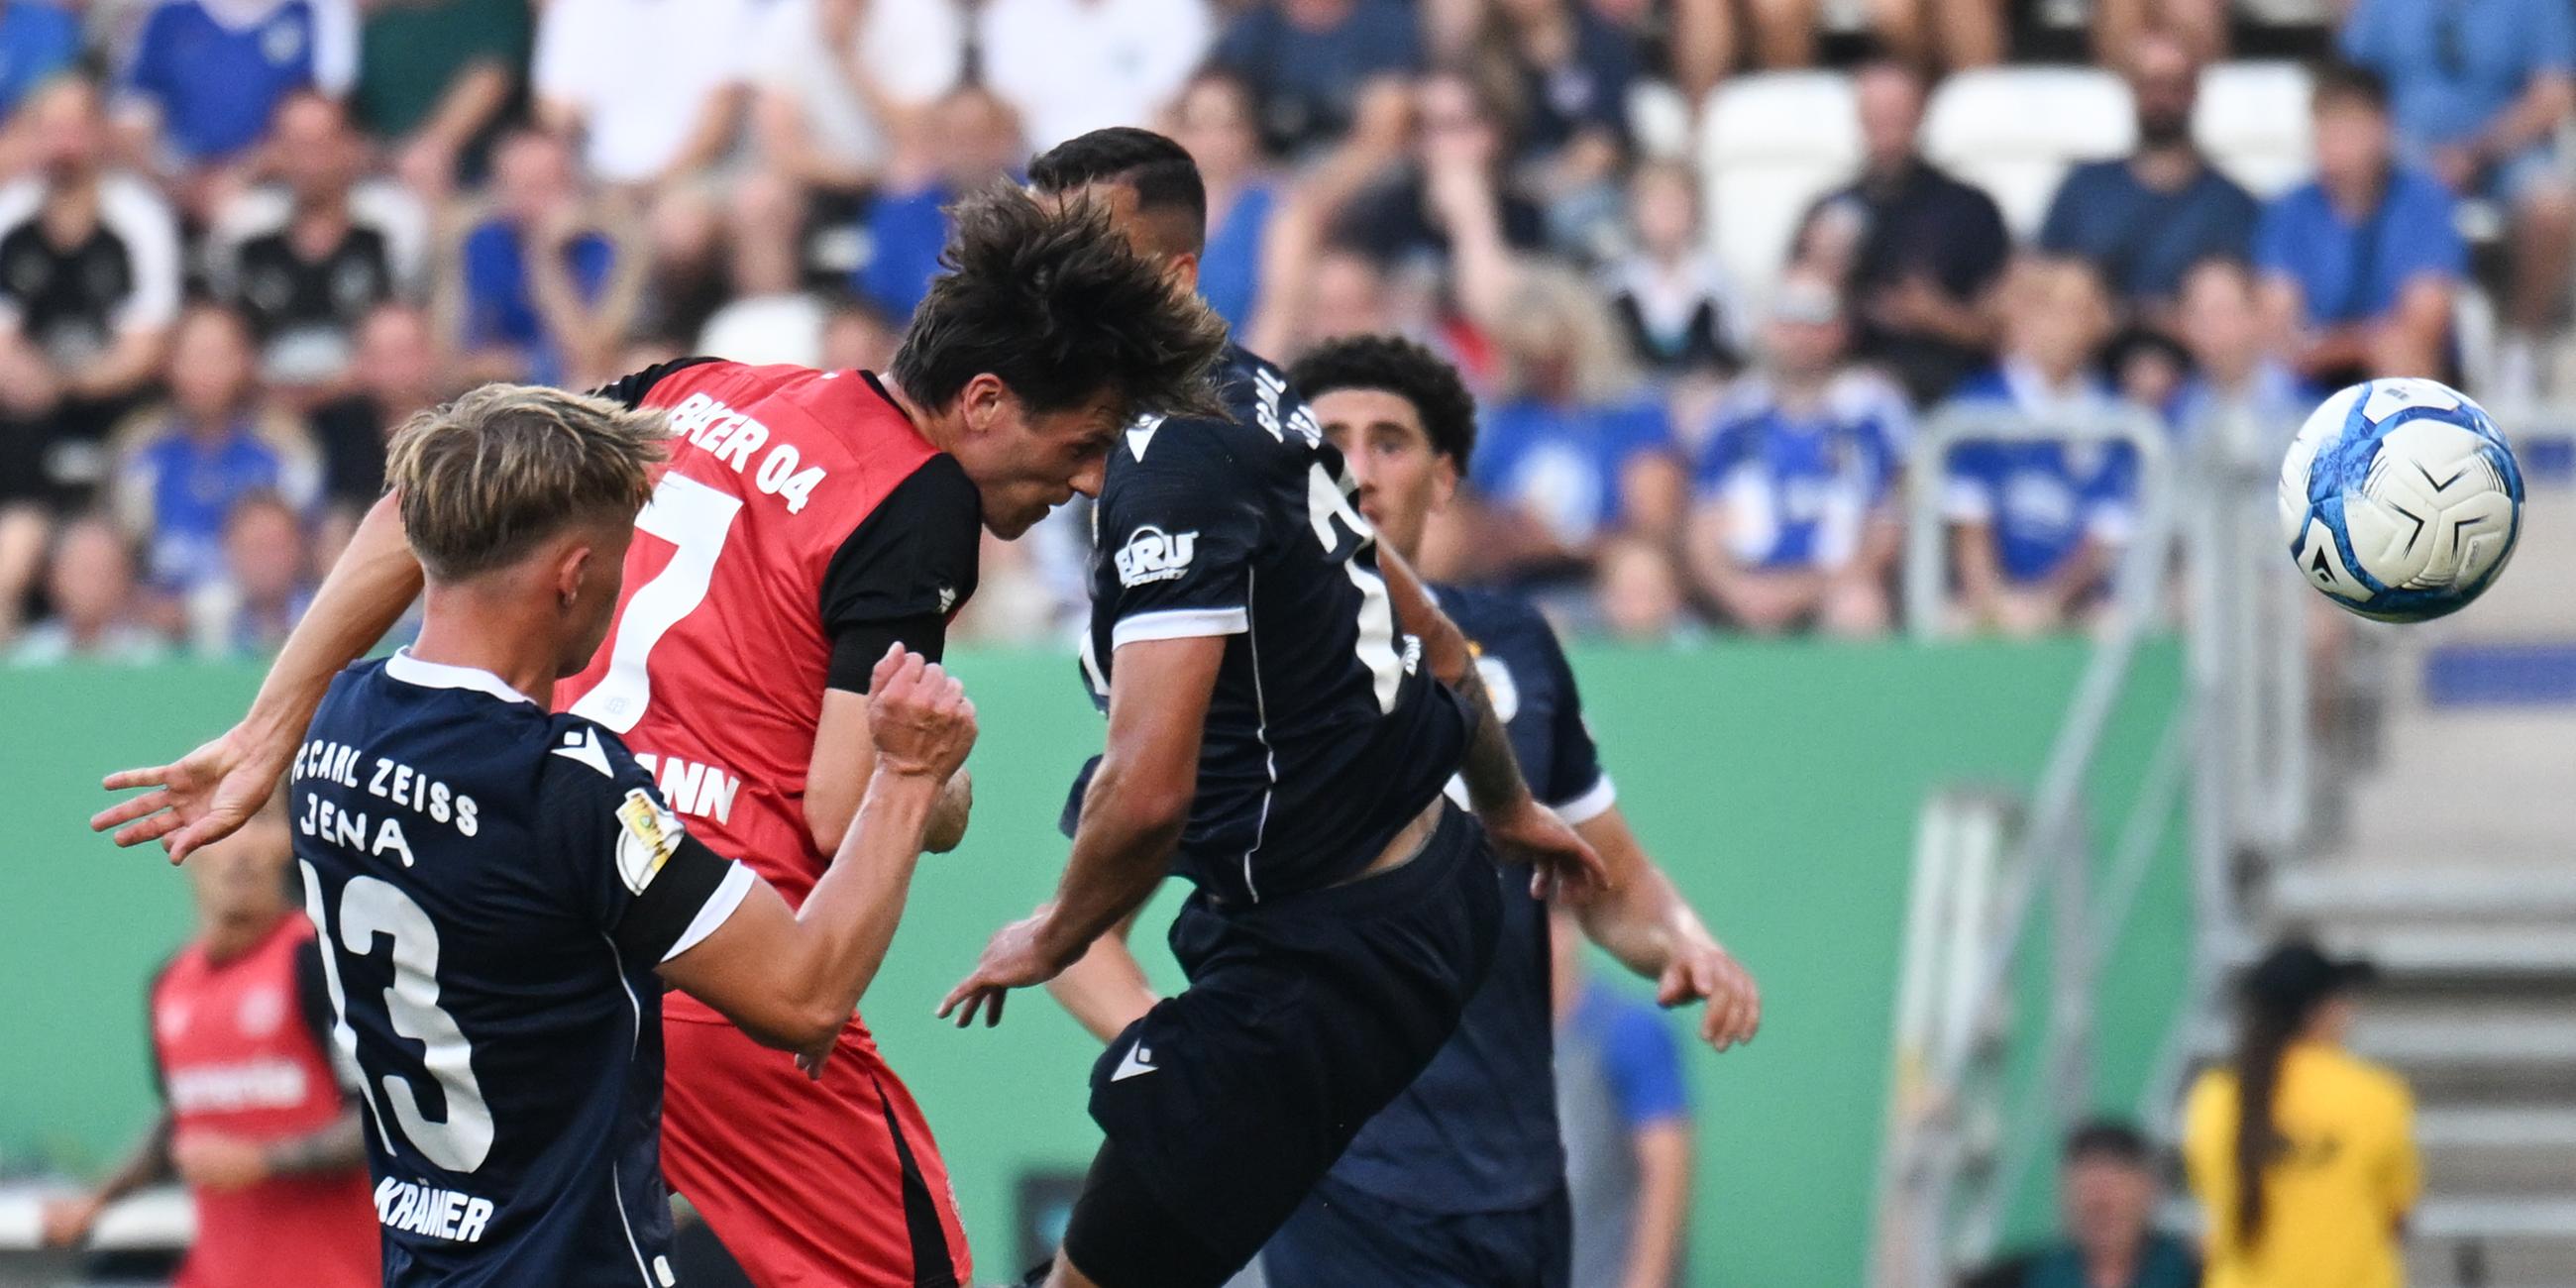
(2328, 1137)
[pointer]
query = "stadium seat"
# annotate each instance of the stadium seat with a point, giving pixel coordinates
(2014, 130)
(1769, 145)
(2253, 121)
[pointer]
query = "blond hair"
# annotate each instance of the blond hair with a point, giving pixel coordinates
(485, 478)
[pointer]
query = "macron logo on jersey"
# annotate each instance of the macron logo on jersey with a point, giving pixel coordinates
(1152, 555)
(1138, 1061)
(581, 746)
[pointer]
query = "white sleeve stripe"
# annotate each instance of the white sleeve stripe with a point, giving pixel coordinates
(1595, 801)
(719, 906)
(1179, 624)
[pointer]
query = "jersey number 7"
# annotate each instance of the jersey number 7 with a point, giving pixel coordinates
(695, 519)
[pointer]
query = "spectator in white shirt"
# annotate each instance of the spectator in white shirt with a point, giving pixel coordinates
(1072, 66)
(836, 82)
(653, 89)
(769, 318)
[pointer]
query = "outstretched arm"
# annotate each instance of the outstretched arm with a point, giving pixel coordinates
(1645, 923)
(1131, 820)
(210, 793)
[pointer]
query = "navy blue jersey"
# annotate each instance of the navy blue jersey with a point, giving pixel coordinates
(1324, 736)
(494, 886)
(1477, 1131)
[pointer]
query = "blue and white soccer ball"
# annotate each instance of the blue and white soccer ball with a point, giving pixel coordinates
(2400, 500)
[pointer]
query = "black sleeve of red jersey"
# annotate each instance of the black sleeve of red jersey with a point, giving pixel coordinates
(903, 572)
(631, 389)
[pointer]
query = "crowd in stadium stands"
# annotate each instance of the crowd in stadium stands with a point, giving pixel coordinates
(240, 240)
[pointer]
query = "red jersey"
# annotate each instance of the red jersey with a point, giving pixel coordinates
(241, 1051)
(802, 524)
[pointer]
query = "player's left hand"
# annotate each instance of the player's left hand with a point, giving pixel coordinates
(218, 1162)
(1016, 958)
(1563, 866)
(1710, 974)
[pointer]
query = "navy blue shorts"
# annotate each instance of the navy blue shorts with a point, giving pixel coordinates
(1305, 1015)
(1341, 1236)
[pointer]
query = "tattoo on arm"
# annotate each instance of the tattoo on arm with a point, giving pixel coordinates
(338, 1147)
(1492, 772)
(149, 1162)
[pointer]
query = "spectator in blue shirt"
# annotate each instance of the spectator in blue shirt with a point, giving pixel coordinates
(2238, 386)
(38, 40)
(1795, 521)
(1623, 1111)
(206, 76)
(2478, 90)
(2035, 524)
(2359, 265)
(1307, 60)
(1578, 451)
(2146, 218)
(546, 284)
(970, 138)
(1213, 119)
(184, 465)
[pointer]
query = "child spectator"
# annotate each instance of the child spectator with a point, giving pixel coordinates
(547, 282)
(182, 466)
(265, 585)
(398, 371)
(2236, 377)
(1797, 522)
(2359, 266)
(97, 612)
(2035, 524)
(1576, 451)
(1670, 294)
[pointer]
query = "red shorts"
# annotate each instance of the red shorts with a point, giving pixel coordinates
(833, 1183)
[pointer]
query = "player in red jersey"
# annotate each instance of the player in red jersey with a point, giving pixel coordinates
(807, 521)
(257, 1122)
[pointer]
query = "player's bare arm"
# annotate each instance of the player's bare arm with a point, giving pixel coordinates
(66, 1222)
(1523, 830)
(838, 777)
(1132, 818)
(1106, 990)
(791, 978)
(208, 794)
(1645, 923)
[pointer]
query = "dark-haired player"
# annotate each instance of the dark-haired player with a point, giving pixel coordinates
(1452, 1186)
(1277, 737)
(808, 520)
(501, 893)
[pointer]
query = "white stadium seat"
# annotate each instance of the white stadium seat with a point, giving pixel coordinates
(2253, 121)
(1769, 145)
(2013, 131)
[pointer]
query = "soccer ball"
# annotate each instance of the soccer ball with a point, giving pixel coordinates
(2400, 500)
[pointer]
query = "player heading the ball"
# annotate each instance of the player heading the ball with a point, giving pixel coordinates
(502, 892)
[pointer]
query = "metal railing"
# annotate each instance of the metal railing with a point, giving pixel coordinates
(1960, 1146)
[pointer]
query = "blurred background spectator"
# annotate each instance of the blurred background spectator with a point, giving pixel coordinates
(98, 613)
(266, 582)
(182, 465)
(2035, 524)
(2359, 265)
(2108, 1190)
(402, 198)
(2479, 94)
(1917, 249)
(1794, 524)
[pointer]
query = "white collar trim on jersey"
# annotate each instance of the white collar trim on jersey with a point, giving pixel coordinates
(439, 675)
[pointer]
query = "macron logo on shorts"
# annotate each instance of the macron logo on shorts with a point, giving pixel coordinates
(1139, 1060)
